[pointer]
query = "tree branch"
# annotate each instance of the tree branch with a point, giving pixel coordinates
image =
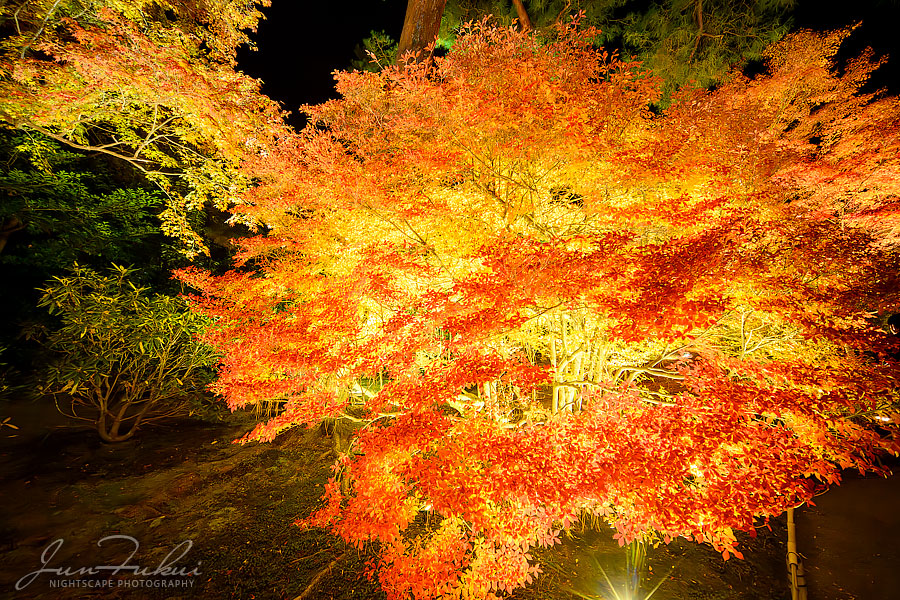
(325, 571)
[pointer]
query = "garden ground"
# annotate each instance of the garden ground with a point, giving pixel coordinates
(187, 481)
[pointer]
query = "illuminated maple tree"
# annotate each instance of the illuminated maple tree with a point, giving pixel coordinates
(539, 300)
(152, 83)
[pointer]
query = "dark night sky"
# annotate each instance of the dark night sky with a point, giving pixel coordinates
(880, 20)
(301, 43)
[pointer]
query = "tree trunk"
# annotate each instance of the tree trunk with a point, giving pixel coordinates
(524, 21)
(420, 29)
(9, 226)
(110, 431)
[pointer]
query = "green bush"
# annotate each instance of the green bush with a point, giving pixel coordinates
(121, 357)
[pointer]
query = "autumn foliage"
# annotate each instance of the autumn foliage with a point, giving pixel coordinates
(151, 83)
(543, 301)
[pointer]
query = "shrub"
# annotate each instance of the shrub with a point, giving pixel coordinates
(125, 356)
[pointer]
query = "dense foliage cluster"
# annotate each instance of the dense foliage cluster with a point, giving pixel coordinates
(150, 83)
(684, 42)
(59, 206)
(540, 300)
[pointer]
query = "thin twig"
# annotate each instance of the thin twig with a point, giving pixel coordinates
(40, 30)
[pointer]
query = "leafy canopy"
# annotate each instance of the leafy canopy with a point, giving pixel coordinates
(149, 83)
(58, 207)
(547, 301)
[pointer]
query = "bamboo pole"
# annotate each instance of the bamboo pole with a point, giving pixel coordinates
(795, 566)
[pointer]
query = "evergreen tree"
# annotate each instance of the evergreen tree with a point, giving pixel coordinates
(684, 42)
